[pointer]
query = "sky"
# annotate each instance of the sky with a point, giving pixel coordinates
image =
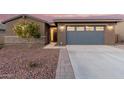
(62, 6)
(55, 8)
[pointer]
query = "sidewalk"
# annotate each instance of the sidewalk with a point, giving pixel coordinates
(64, 68)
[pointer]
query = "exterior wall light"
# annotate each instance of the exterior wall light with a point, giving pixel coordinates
(110, 27)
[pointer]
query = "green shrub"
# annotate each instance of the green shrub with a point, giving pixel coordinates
(33, 65)
(27, 30)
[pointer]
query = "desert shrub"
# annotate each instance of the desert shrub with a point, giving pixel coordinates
(27, 30)
(35, 64)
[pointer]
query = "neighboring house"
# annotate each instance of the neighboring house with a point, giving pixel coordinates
(2, 31)
(70, 31)
(2, 27)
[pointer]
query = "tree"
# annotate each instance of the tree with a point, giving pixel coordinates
(27, 30)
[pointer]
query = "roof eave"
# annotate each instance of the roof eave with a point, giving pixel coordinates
(87, 20)
(23, 15)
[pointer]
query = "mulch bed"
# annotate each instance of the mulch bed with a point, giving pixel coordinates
(28, 63)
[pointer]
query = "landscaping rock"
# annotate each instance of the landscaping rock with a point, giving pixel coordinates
(28, 63)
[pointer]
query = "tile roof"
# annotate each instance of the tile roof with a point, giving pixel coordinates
(51, 17)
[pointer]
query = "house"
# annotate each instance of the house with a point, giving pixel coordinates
(2, 30)
(69, 31)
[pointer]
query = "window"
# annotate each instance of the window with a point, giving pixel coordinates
(80, 28)
(100, 28)
(70, 28)
(89, 28)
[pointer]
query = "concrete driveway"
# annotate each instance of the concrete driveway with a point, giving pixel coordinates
(96, 61)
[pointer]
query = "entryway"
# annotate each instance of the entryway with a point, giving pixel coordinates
(53, 34)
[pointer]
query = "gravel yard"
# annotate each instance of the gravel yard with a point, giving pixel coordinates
(28, 63)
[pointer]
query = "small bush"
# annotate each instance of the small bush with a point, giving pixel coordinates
(37, 35)
(35, 65)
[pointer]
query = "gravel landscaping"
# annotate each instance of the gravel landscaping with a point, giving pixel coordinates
(28, 63)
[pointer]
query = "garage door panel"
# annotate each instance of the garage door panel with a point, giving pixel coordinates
(87, 38)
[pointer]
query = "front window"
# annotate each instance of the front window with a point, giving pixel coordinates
(100, 28)
(80, 28)
(70, 28)
(89, 28)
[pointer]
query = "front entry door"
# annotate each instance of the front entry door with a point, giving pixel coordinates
(53, 34)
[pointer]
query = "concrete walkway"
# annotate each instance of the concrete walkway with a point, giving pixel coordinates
(53, 45)
(64, 68)
(97, 61)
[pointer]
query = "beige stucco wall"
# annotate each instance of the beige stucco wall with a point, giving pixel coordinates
(109, 35)
(119, 30)
(61, 35)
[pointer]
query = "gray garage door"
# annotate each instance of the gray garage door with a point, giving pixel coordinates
(85, 38)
